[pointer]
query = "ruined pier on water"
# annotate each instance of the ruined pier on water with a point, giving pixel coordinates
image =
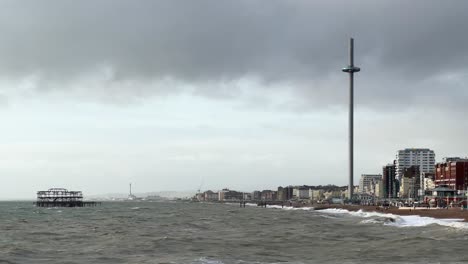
(60, 197)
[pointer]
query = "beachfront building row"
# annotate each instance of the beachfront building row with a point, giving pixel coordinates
(414, 175)
(223, 195)
(403, 177)
(227, 195)
(310, 193)
(411, 185)
(288, 193)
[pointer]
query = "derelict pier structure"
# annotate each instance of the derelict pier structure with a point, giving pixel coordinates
(60, 197)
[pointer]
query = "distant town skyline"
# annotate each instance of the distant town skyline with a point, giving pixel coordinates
(174, 95)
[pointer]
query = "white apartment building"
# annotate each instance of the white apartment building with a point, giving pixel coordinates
(301, 192)
(316, 194)
(429, 184)
(422, 157)
(407, 188)
(379, 191)
(366, 182)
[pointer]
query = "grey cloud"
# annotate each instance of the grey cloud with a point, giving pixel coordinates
(400, 45)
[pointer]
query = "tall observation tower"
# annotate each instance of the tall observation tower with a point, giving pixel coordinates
(351, 69)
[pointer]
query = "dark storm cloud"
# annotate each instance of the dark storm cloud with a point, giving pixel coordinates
(400, 45)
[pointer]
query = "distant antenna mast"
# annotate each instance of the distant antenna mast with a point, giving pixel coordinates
(351, 69)
(130, 189)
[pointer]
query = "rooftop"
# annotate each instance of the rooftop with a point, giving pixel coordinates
(415, 149)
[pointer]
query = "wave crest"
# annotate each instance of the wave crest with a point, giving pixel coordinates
(400, 220)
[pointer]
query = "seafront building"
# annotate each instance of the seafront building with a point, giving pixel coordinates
(428, 181)
(316, 195)
(389, 182)
(337, 194)
(374, 186)
(407, 188)
(452, 173)
(379, 190)
(301, 192)
(256, 195)
(422, 157)
(229, 195)
(410, 183)
(285, 193)
(444, 197)
(367, 183)
(210, 196)
(268, 195)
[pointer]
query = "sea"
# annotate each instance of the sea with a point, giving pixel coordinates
(184, 232)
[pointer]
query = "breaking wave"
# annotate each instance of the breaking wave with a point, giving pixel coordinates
(399, 220)
(283, 207)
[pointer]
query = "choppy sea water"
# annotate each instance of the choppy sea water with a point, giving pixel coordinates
(176, 232)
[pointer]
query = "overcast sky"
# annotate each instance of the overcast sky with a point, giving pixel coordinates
(174, 95)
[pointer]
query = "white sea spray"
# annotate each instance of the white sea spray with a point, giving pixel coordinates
(398, 220)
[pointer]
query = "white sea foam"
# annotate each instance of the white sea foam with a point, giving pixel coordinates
(279, 207)
(204, 260)
(400, 221)
(273, 206)
(382, 218)
(290, 207)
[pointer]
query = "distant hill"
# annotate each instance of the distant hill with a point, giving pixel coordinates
(163, 194)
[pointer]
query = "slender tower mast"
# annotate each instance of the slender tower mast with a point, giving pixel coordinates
(351, 69)
(130, 189)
